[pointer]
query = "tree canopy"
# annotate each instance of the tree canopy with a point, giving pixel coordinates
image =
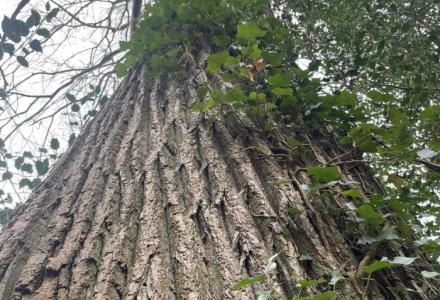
(371, 79)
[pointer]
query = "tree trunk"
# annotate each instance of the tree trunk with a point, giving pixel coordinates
(153, 202)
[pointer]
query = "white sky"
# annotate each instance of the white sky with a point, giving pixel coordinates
(7, 7)
(73, 43)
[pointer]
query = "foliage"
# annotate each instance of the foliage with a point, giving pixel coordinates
(388, 111)
(371, 82)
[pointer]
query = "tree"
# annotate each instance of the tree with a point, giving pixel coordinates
(220, 169)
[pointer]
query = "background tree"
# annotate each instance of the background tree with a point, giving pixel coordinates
(220, 169)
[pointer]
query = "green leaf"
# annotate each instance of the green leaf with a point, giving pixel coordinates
(34, 19)
(36, 45)
(257, 96)
(328, 295)
(249, 280)
(202, 91)
(6, 175)
(279, 91)
(52, 14)
(249, 31)
(353, 193)
(27, 168)
(75, 107)
(43, 32)
(347, 98)
(216, 61)
(375, 95)
(280, 79)
(54, 144)
(18, 162)
(121, 70)
(376, 266)
(272, 58)
(305, 283)
(22, 61)
(27, 154)
(9, 48)
(235, 95)
(70, 97)
(25, 182)
(36, 182)
(396, 180)
(42, 166)
(369, 214)
(324, 174)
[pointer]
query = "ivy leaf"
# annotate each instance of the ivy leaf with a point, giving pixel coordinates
(353, 193)
(36, 182)
(217, 60)
(25, 182)
(328, 295)
(6, 175)
(27, 168)
(279, 91)
(75, 107)
(18, 162)
(70, 97)
(249, 280)
(324, 174)
(43, 32)
(305, 283)
(42, 166)
(34, 19)
(376, 266)
(272, 58)
(121, 70)
(22, 61)
(249, 31)
(280, 79)
(52, 14)
(235, 95)
(8, 48)
(396, 180)
(36, 45)
(369, 214)
(27, 154)
(54, 144)
(375, 95)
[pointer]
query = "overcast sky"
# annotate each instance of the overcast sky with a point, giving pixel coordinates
(7, 7)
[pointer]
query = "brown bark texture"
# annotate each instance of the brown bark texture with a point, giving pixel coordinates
(154, 202)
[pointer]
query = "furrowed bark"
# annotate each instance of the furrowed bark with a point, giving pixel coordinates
(153, 202)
